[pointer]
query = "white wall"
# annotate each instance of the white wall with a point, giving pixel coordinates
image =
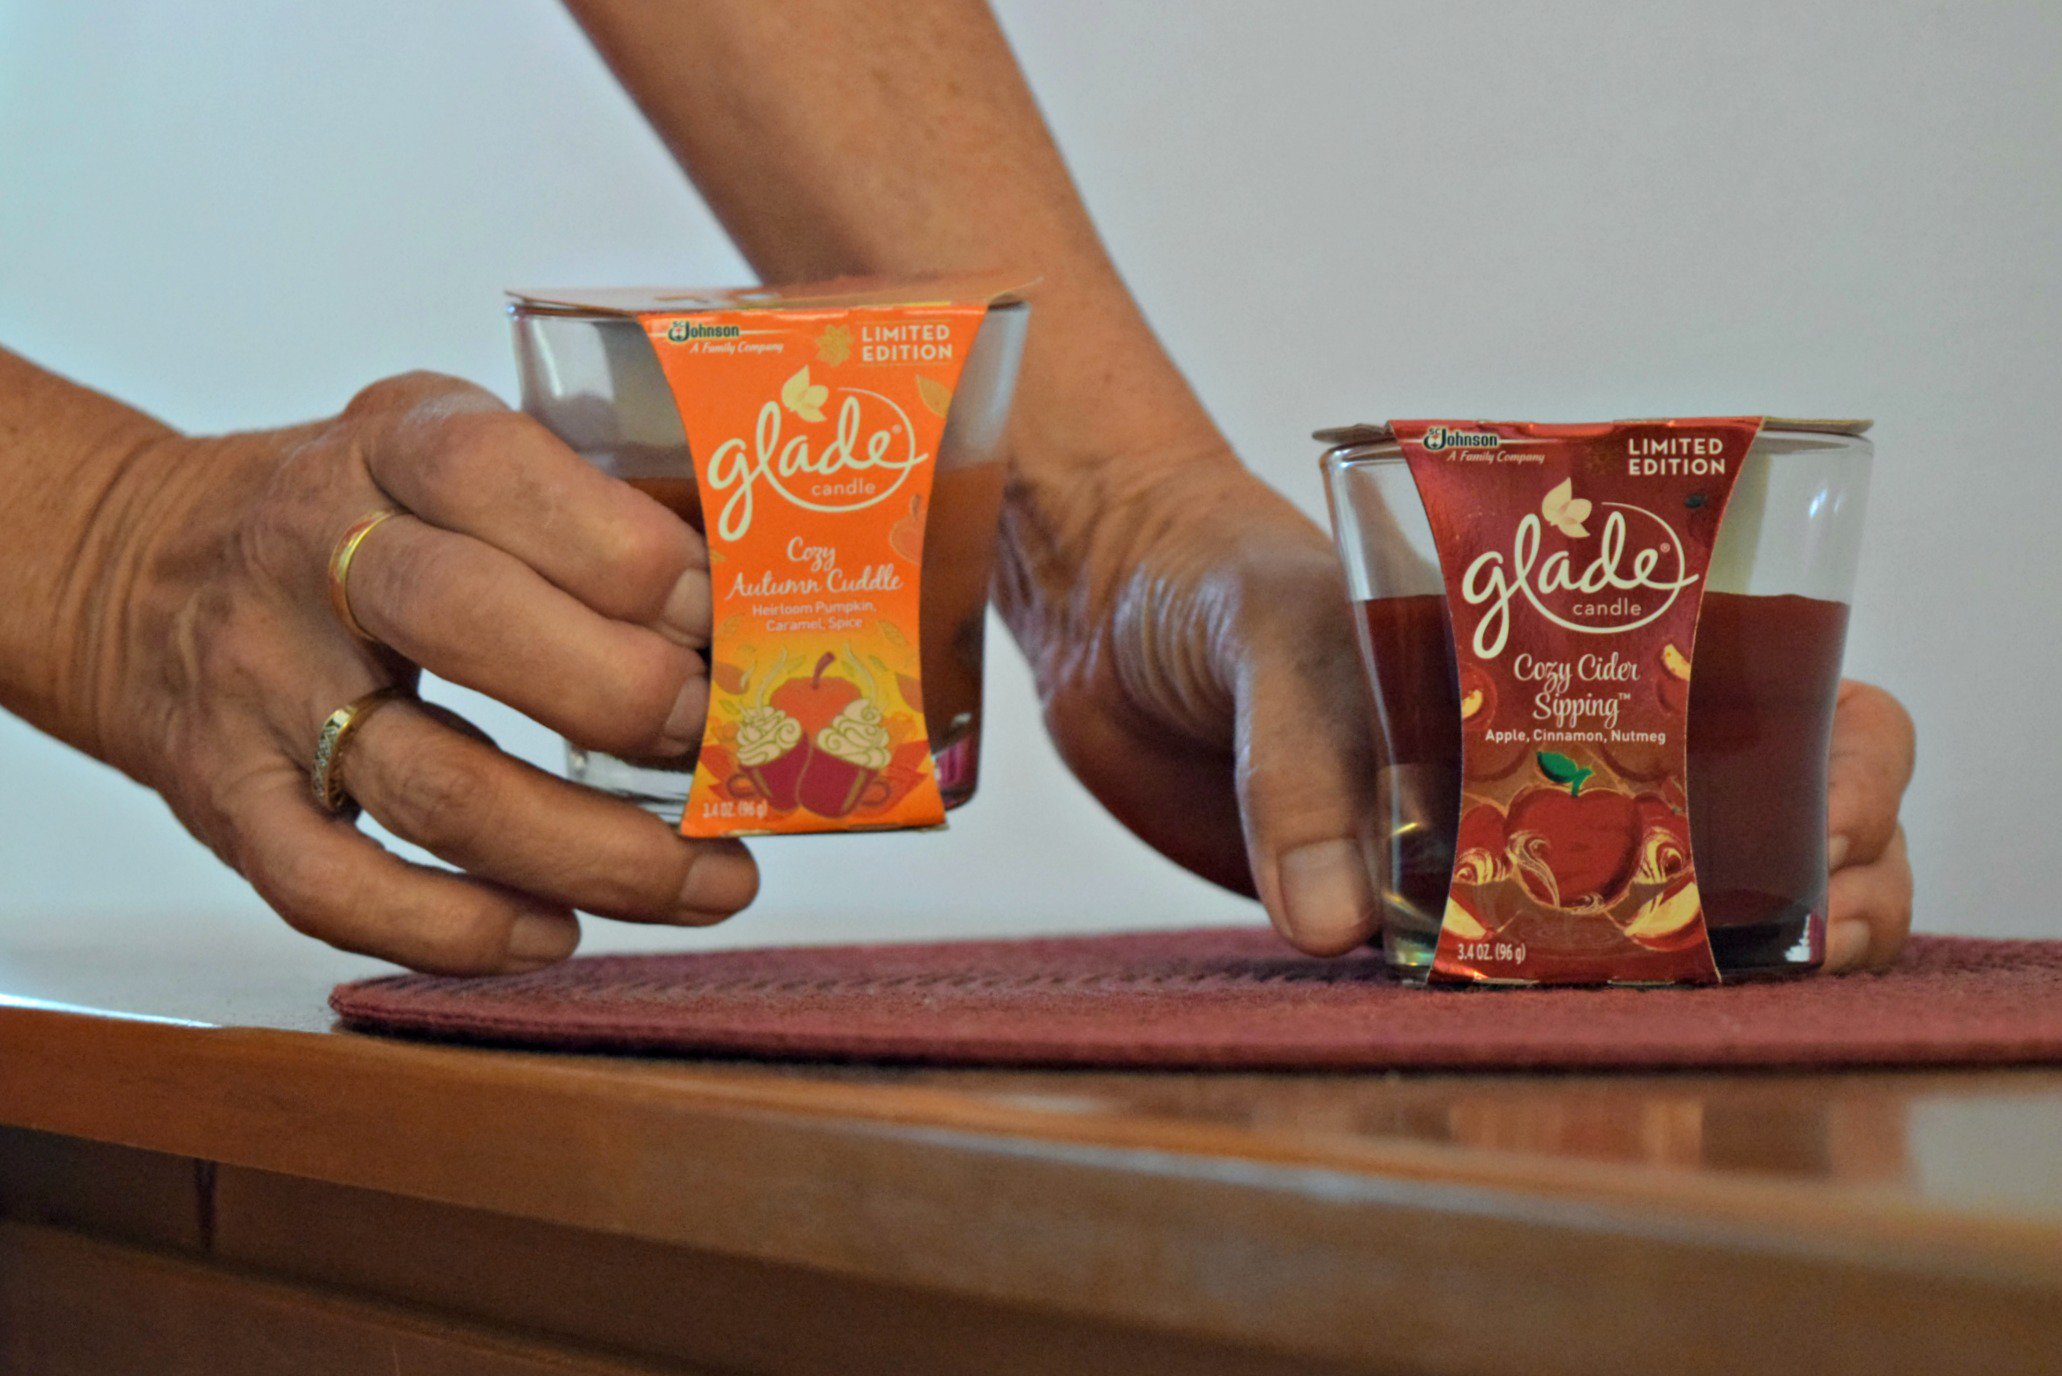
(234, 214)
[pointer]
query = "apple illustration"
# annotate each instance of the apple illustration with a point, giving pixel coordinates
(1486, 761)
(1478, 696)
(815, 701)
(1641, 762)
(1664, 839)
(1673, 683)
(1481, 848)
(1573, 848)
(1668, 921)
(1461, 923)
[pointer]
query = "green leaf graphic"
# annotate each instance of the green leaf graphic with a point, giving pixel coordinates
(1561, 770)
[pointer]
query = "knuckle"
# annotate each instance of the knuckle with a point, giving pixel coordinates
(421, 426)
(1895, 717)
(462, 447)
(1907, 729)
(644, 556)
(634, 716)
(399, 393)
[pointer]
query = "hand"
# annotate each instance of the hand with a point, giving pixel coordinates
(1203, 680)
(1869, 904)
(517, 570)
(1196, 656)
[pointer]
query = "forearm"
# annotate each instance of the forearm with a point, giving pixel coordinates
(69, 457)
(898, 136)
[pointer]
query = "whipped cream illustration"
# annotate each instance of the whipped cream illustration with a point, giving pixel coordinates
(856, 736)
(764, 734)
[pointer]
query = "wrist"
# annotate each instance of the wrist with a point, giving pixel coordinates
(100, 631)
(79, 473)
(154, 541)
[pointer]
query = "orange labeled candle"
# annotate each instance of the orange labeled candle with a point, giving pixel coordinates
(839, 449)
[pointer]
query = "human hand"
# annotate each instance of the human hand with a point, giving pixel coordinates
(515, 569)
(1204, 682)
(1196, 657)
(1869, 903)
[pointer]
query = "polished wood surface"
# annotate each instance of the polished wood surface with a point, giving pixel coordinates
(1867, 1222)
(76, 1306)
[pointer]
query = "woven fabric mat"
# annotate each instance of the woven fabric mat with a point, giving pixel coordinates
(1226, 998)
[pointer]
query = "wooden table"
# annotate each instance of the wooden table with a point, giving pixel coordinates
(198, 1174)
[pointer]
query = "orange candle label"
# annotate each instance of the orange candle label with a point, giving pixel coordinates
(815, 434)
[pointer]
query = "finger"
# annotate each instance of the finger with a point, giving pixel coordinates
(1164, 789)
(430, 777)
(455, 456)
(477, 616)
(1869, 911)
(1867, 771)
(1305, 764)
(330, 881)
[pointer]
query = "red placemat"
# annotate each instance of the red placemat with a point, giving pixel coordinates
(1227, 998)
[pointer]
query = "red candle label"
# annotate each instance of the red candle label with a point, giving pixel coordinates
(1575, 558)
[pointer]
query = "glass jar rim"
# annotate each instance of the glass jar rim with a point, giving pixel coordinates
(1377, 444)
(524, 309)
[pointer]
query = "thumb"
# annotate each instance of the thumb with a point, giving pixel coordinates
(1306, 771)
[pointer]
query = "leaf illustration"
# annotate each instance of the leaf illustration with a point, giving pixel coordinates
(894, 635)
(728, 677)
(802, 397)
(934, 395)
(1561, 770)
(1565, 511)
(834, 345)
(912, 691)
(868, 687)
(906, 536)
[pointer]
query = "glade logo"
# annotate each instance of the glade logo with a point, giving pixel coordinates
(681, 331)
(1444, 437)
(1611, 574)
(805, 473)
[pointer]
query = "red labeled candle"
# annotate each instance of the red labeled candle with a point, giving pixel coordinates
(1603, 662)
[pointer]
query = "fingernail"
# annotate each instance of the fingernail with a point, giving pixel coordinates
(1836, 852)
(1326, 896)
(685, 618)
(538, 940)
(1847, 945)
(683, 730)
(720, 881)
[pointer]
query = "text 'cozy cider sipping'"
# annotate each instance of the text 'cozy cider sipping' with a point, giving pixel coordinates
(838, 446)
(1603, 662)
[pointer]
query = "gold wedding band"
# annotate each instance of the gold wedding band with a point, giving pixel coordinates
(328, 773)
(340, 569)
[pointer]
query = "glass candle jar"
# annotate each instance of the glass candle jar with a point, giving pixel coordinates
(1760, 704)
(593, 378)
